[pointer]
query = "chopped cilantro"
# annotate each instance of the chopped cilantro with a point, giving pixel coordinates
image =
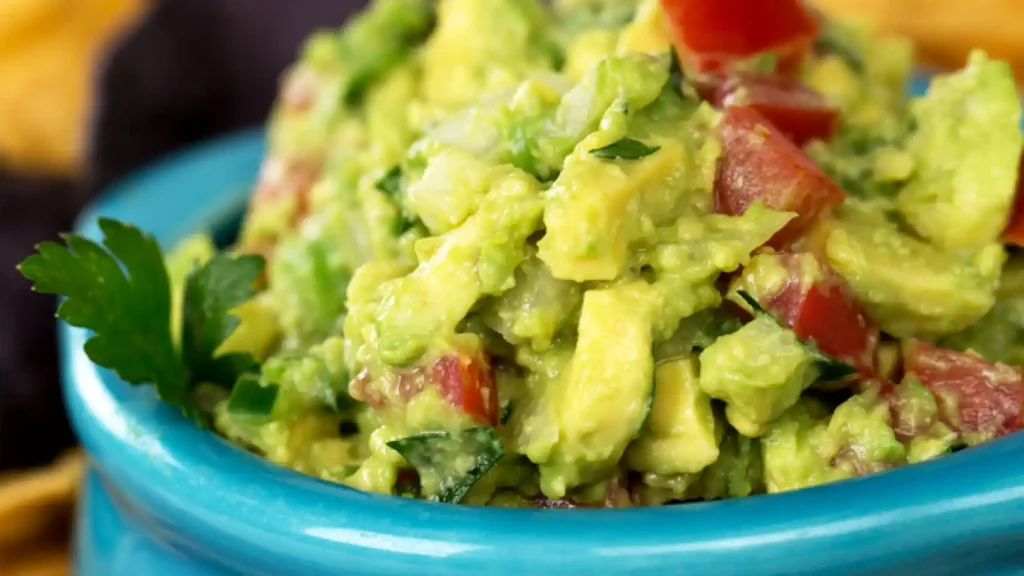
(251, 398)
(625, 149)
(391, 183)
(450, 464)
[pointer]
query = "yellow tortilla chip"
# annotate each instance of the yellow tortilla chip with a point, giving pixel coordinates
(36, 505)
(945, 31)
(48, 53)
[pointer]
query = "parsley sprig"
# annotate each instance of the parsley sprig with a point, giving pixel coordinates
(120, 290)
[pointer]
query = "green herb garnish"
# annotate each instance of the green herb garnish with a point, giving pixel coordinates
(625, 149)
(506, 412)
(251, 398)
(121, 292)
(450, 464)
(391, 182)
(211, 292)
(831, 369)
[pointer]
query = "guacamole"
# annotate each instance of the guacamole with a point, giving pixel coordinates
(607, 253)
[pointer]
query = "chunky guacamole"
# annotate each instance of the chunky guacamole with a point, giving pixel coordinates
(597, 253)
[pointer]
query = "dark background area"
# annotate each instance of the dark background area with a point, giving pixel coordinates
(188, 71)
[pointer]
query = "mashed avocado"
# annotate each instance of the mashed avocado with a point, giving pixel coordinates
(501, 268)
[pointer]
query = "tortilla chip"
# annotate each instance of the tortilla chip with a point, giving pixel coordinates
(36, 506)
(50, 561)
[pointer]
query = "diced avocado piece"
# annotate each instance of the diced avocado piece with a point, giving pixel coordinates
(767, 275)
(622, 84)
(477, 258)
(587, 49)
(376, 42)
(364, 299)
(966, 150)
(648, 32)
(257, 332)
(598, 207)
(681, 434)
(917, 420)
(791, 449)
(909, 287)
(860, 439)
(759, 371)
(536, 308)
(307, 280)
(656, 490)
(389, 133)
(688, 257)
(592, 209)
(998, 336)
(605, 396)
(450, 189)
(316, 378)
(481, 46)
(738, 471)
(533, 426)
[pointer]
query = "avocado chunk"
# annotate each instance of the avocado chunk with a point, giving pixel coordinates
(918, 424)
(966, 151)
(536, 308)
(450, 189)
(604, 398)
(457, 269)
(791, 447)
(759, 371)
(483, 46)
(738, 471)
(860, 439)
(681, 434)
(908, 286)
(308, 277)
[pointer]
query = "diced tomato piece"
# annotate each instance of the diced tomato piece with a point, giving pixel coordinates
(1014, 233)
(979, 399)
(282, 178)
(468, 382)
(799, 111)
(712, 35)
(760, 164)
(825, 313)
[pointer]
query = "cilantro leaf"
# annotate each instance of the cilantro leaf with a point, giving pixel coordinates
(391, 183)
(831, 369)
(251, 398)
(119, 291)
(439, 457)
(211, 292)
(625, 149)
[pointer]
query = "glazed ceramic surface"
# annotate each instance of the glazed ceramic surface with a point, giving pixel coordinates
(165, 498)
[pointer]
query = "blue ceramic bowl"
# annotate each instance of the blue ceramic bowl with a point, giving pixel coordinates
(163, 497)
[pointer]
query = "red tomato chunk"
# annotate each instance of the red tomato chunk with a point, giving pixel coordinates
(468, 382)
(976, 398)
(760, 164)
(713, 35)
(799, 111)
(826, 314)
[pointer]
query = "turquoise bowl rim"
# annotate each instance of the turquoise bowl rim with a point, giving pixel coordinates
(210, 500)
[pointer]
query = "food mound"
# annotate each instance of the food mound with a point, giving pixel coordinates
(593, 253)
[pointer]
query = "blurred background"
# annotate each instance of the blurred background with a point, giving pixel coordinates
(92, 89)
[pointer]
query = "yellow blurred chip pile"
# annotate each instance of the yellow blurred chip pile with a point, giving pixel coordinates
(48, 51)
